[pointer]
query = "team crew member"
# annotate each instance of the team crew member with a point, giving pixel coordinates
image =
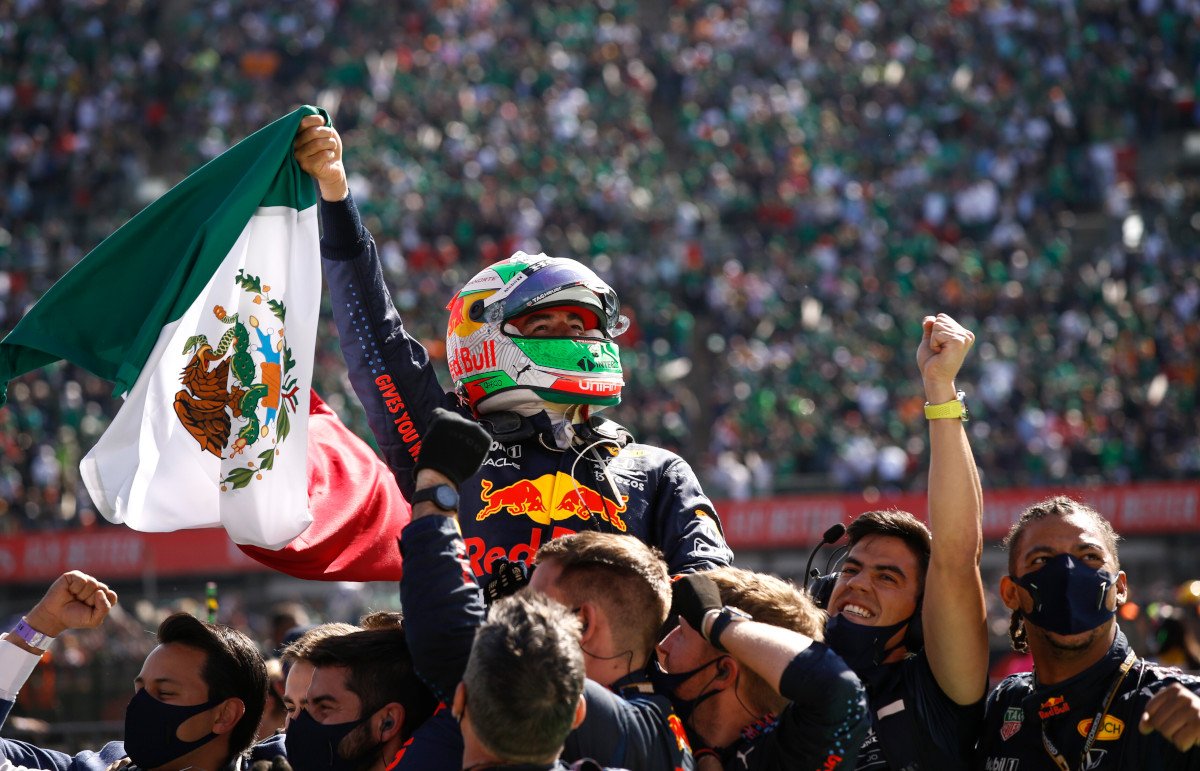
(364, 700)
(1090, 702)
(617, 587)
(528, 651)
(531, 351)
(752, 683)
(926, 704)
(199, 696)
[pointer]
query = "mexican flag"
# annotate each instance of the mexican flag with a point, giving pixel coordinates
(203, 310)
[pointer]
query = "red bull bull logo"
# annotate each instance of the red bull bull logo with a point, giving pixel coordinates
(549, 498)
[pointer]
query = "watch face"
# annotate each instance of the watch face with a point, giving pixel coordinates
(444, 497)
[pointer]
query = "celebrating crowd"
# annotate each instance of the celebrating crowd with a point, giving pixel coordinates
(786, 196)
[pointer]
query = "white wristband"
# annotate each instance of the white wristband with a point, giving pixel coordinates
(16, 665)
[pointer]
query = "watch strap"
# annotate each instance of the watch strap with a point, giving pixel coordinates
(955, 408)
(726, 616)
(431, 494)
(31, 636)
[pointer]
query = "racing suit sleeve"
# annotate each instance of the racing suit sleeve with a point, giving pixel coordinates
(632, 734)
(441, 601)
(390, 371)
(827, 720)
(689, 532)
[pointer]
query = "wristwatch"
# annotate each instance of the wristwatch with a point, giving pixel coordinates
(955, 408)
(31, 636)
(724, 617)
(443, 496)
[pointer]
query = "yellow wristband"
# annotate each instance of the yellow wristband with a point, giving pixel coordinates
(954, 408)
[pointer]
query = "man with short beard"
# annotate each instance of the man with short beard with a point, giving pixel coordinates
(1090, 702)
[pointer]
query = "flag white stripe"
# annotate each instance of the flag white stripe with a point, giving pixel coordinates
(149, 472)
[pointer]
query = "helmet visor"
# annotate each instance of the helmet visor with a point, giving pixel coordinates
(556, 284)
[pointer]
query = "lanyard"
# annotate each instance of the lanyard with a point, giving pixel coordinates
(1053, 752)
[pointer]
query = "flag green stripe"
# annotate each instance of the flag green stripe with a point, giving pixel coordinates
(106, 313)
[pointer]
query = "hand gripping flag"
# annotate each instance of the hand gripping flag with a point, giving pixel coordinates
(203, 310)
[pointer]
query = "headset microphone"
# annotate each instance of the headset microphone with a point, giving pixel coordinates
(832, 535)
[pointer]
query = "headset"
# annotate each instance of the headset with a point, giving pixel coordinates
(820, 585)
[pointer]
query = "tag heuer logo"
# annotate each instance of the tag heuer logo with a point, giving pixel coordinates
(1013, 717)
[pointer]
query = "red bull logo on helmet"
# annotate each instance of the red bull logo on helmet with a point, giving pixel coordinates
(549, 498)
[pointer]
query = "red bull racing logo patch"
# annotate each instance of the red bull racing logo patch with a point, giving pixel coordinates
(1055, 705)
(680, 734)
(549, 498)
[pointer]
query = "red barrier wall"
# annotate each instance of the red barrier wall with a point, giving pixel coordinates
(765, 523)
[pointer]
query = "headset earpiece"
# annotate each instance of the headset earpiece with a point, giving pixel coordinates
(820, 589)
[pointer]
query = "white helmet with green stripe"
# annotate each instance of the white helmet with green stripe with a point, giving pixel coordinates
(494, 367)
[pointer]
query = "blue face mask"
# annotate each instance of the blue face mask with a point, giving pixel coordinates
(862, 647)
(313, 746)
(1068, 596)
(150, 729)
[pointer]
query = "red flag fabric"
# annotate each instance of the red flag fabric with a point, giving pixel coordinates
(357, 509)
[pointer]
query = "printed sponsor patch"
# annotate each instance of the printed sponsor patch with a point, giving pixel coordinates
(1110, 730)
(1055, 705)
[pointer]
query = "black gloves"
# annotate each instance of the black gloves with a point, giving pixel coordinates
(692, 596)
(508, 578)
(453, 445)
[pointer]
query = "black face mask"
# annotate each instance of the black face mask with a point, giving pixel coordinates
(862, 647)
(150, 729)
(313, 746)
(666, 683)
(1068, 596)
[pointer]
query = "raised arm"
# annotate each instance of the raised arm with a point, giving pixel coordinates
(390, 371)
(441, 601)
(953, 615)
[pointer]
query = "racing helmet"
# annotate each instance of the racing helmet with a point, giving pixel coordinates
(495, 368)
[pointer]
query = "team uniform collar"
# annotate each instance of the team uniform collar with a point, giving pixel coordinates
(1095, 676)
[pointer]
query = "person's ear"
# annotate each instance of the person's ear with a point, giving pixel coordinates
(580, 712)
(727, 672)
(391, 721)
(459, 703)
(1010, 593)
(587, 621)
(229, 712)
(1121, 589)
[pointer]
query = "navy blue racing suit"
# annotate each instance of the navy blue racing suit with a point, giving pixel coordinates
(820, 729)
(528, 490)
(442, 610)
(1020, 710)
(915, 726)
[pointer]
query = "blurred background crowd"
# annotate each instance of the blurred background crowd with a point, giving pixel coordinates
(778, 190)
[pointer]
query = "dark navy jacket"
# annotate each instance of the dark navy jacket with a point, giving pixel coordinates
(1019, 708)
(442, 610)
(821, 729)
(528, 491)
(915, 726)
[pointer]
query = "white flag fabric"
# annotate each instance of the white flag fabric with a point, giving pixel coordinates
(220, 282)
